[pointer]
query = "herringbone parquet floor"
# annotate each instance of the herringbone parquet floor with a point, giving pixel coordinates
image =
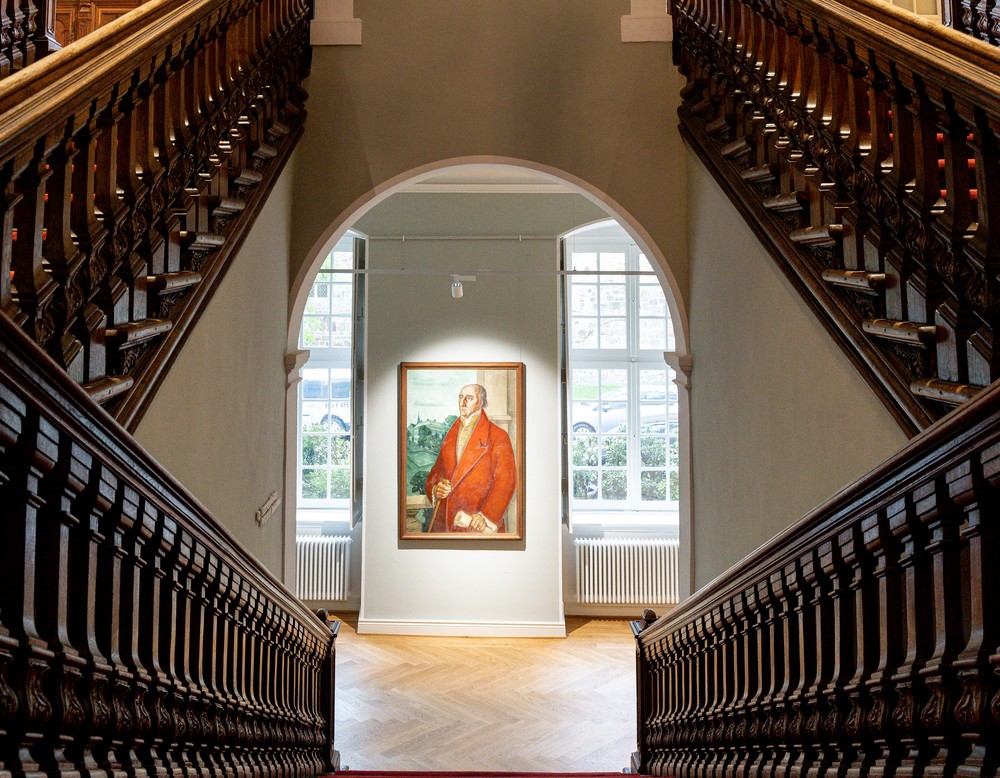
(532, 704)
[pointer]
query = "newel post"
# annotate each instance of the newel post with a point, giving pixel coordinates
(327, 688)
(644, 692)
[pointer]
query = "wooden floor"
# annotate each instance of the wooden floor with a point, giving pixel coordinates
(532, 704)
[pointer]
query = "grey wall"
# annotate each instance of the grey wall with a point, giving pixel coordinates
(544, 81)
(217, 422)
(480, 587)
(781, 420)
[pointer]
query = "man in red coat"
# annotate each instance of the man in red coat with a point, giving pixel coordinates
(474, 477)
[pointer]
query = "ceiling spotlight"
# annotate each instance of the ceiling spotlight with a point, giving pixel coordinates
(456, 289)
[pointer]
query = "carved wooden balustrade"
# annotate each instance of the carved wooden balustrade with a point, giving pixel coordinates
(132, 164)
(860, 143)
(863, 640)
(978, 18)
(136, 636)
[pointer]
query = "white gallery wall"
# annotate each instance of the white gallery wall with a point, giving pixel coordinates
(475, 587)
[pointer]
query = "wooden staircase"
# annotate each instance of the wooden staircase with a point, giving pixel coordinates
(872, 177)
(132, 167)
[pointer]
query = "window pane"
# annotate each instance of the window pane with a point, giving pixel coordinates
(315, 449)
(585, 417)
(343, 260)
(615, 451)
(585, 450)
(341, 333)
(584, 333)
(613, 334)
(585, 384)
(651, 301)
(653, 485)
(612, 260)
(315, 384)
(315, 332)
(340, 301)
(585, 484)
(583, 299)
(653, 451)
(340, 484)
(315, 416)
(613, 299)
(614, 486)
(319, 299)
(340, 450)
(314, 484)
(652, 334)
(583, 260)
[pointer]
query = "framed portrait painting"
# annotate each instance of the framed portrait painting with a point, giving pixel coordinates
(461, 450)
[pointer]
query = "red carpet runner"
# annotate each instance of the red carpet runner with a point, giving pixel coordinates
(462, 774)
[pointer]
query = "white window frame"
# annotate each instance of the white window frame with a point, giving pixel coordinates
(313, 512)
(633, 514)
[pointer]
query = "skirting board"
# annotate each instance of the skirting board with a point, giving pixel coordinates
(470, 629)
(630, 612)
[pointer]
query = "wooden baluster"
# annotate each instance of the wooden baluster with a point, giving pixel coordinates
(951, 230)
(63, 260)
(91, 322)
(735, 680)
(944, 549)
(12, 417)
(197, 690)
(154, 649)
(758, 598)
(716, 702)
(917, 634)
(888, 643)
(983, 252)
(796, 637)
(61, 490)
(819, 639)
(26, 39)
(746, 675)
(210, 661)
(184, 704)
(898, 178)
(34, 291)
(864, 600)
(840, 636)
(112, 295)
(8, 202)
(14, 27)
(969, 489)
(873, 236)
(36, 454)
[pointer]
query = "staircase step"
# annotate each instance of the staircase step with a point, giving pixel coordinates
(168, 283)
(103, 389)
(944, 391)
(265, 151)
(911, 332)
(245, 176)
(193, 240)
(787, 202)
(133, 332)
(717, 125)
(757, 175)
(859, 280)
(226, 206)
(824, 235)
(278, 129)
(735, 149)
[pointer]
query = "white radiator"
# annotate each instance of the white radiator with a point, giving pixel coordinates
(323, 567)
(626, 571)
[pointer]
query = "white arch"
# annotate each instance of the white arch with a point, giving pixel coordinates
(679, 359)
(300, 287)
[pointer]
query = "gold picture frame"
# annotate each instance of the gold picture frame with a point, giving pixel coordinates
(461, 462)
